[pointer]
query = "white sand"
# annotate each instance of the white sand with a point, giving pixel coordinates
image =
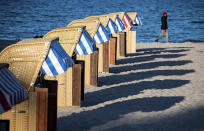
(161, 87)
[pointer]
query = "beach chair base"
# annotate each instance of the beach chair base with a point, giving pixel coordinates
(91, 68)
(121, 44)
(103, 61)
(112, 50)
(131, 42)
(29, 115)
(69, 87)
(52, 105)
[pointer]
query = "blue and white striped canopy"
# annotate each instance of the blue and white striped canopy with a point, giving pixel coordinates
(101, 35)
(112, 27)
(86, 44)
(137, 20)
(119, 24)
(57, 61)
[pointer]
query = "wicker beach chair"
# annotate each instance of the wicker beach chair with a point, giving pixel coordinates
(69, 83)
(131, 35)
(92, 26)
(121, 36)
(113, 45)
(25, 60)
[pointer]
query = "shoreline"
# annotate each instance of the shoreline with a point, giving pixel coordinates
(5, 43)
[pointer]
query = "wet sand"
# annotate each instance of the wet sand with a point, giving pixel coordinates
(161, 87)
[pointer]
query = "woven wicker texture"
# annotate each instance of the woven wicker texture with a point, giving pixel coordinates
(91, 25)
(103, 19)
(132, 15)
(67, 82)
(120, 14)
(25, 58)
(22, 121)
(112, 16)
(68, 37)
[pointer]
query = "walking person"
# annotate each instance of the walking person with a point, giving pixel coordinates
(164, 28)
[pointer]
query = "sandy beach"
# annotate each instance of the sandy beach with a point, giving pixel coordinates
(161, 87)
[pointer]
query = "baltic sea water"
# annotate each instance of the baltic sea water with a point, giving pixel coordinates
(21, 19)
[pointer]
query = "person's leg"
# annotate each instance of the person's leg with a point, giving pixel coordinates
(161, 35)
(167, 36)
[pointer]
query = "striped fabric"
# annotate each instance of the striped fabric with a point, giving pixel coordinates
(57, 61)
(86, 44)
(127, 21)
(101, 35)
(137, 20)
(11, 90)
(111, 27)
(119, 24)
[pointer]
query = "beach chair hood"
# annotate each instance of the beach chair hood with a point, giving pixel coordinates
(102, 34)
(26, 57)
(94, 27)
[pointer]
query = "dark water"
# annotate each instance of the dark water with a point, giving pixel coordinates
(20, 19)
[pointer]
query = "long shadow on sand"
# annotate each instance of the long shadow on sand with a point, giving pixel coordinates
(149, 51)
(117, 79)
(87, 119)
(116, 92)
(168, 49)
(149, 65)
(147, 58)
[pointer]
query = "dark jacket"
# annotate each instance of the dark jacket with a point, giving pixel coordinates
(164, 25)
